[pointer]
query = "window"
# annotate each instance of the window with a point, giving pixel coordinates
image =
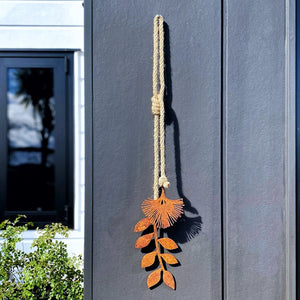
(36, 136)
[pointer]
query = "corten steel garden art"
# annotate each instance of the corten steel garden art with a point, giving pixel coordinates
(160, 212)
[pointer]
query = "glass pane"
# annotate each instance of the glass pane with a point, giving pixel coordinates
(31, 143)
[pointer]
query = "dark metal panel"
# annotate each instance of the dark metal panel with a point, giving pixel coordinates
(290, 147)
(298, 147)
(259, 176)
(88, 72)
(122, 150)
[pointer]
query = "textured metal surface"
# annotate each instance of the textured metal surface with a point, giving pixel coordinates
(259, 141)
(123, 153)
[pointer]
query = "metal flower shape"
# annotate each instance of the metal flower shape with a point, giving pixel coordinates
(163, 212)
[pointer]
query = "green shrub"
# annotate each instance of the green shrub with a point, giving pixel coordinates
(47, 272)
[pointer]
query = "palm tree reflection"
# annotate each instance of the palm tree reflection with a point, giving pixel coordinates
(36, 87)
(31, 121)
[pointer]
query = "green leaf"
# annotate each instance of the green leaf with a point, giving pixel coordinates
(47, 272)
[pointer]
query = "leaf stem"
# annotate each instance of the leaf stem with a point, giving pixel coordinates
(157, 248)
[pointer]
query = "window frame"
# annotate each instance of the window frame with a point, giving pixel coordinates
(64, 212)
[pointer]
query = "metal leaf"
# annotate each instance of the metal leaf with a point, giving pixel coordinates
(154, 278)
(169, 279)
(169, 258)
(144, 240)
(148, 260)
(142, 225)
(168, 243)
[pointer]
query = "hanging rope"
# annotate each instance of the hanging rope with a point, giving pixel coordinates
(161, 212)
(158, 109)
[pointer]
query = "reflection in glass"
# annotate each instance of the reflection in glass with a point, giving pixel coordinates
(31, 143)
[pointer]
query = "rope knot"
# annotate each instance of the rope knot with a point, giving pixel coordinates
(163, 181)
(155, 105)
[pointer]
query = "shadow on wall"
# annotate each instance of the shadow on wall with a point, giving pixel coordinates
(186, 227)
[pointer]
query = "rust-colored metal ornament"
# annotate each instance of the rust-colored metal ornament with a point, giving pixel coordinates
(160, 213)
(163, 212)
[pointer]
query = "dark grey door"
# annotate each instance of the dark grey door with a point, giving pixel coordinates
(230, 146)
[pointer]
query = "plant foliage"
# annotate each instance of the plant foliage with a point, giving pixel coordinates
(47, 272)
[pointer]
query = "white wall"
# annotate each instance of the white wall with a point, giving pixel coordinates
(53, 24)
(41, 24)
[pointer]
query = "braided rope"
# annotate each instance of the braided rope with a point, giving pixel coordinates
(158, 108)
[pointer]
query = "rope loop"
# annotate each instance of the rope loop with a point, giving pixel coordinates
(158, 109)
